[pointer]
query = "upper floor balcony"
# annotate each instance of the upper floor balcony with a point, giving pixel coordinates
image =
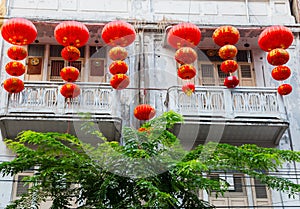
(41, 107)
(237, 116)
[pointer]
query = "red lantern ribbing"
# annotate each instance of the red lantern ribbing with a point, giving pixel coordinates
(70, 90)
(71, 33)
(144, 112)
(15, 68)
(19, 31)
(118, 33)
(229, 66)
(275, 37)
(117, 53)
(186, 72)
(227, 52)
(119, 81)
(13, 85)
(284, 89)
(69, 74)
(281, 73)
(226, 35)
(231, 81)
(185, 55)
(188, 88)
(118, 67)
(17, 53)
(278, 57)
(70, 53)
(184, 35)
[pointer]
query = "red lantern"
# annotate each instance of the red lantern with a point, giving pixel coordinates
(18, 31)
(278, 56)
(70, 53)
(15, 68)
(284, 89)
(118, 67)
(184, 34)
(144, 112)
(117, 53)
(71, 33)
(17, 53)
(188, 88)
(69, 74)
(119, 81)
(231, 81)
(227, 52)
(226, 35)
(281, 73)
(118, 33)
(275, 37)
(186, 71)
(13, 85)
(70, 90)
(185, 55)
(229, 66)
(145, 129)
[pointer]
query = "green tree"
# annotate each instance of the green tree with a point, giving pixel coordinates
(150, 169)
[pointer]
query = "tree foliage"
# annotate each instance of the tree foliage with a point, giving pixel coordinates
(148, 169)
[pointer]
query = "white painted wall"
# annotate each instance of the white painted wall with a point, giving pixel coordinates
(197, 11)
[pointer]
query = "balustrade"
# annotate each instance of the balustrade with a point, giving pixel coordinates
(229, 103)
(45, 97)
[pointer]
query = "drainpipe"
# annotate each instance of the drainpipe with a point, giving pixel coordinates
(141, 68)
(7, 7)
(247, 10)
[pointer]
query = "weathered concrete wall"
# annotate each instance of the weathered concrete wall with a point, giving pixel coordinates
(197, 11)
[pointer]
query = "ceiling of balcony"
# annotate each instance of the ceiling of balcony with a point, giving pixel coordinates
(238, 131)
(248, 35)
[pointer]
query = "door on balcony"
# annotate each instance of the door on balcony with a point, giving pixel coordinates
(210, 74)
(56, 63)
(35, 62)
(97, 65)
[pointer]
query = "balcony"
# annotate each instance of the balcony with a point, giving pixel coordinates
(236, 116)
(40, 107)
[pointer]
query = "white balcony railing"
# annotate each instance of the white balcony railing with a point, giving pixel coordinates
(44, 97)
(248, 102)
(210, 101)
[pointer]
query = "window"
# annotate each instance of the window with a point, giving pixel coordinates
(20, 185)
(57, 63)
(97, 64)
(209, 73)
(236, 182)
(260, 189)
(35, 59)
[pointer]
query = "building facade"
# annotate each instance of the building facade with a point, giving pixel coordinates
(251, 113)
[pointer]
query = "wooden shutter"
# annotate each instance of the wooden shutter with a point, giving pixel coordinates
(260, 189)
(56, 66)
(34, 66)
(207, 77)
(22, 187)
(221, 76)
(97, 67)
(246, 75)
